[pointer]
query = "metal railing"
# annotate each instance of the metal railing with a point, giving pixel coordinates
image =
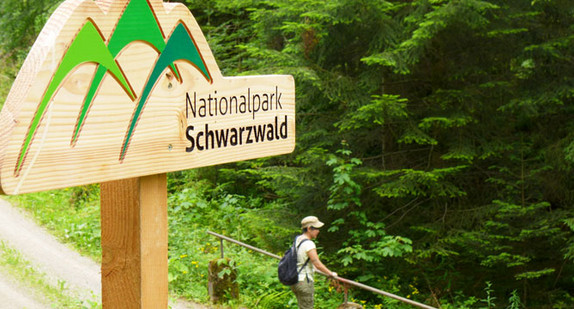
(343, 280)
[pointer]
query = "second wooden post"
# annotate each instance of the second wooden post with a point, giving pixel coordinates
(134, 243)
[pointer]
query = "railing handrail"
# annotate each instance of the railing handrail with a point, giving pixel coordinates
(347, 281)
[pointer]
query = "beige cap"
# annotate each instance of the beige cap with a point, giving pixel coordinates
(311, 221)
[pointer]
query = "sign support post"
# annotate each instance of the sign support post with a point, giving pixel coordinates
(134, 243)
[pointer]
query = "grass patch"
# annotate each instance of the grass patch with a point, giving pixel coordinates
(14, 264)
(72, 215)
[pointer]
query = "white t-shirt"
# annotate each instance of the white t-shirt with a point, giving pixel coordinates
(302, 256)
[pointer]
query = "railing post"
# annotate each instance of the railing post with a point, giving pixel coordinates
(221, 247)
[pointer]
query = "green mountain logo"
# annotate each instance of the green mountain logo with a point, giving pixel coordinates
(137, 23)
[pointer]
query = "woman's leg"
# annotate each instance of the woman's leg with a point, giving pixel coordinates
(304, 291)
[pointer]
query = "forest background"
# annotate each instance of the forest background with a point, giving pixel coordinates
(435, 138)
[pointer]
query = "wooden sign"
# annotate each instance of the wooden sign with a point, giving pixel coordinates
(117, 89)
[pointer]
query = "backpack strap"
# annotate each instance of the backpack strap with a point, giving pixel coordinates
(302, 241)
(296, 248)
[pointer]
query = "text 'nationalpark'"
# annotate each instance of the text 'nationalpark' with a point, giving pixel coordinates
(249, 103)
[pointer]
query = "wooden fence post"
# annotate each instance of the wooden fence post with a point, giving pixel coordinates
(134, 243)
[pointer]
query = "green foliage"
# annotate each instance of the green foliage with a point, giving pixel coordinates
(345, 192)
(456, 140)
(433, 137)
(489, 301)
(196, 209)
(514, 301)
(20, 22)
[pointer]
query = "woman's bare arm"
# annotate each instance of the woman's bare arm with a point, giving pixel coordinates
(314, 258)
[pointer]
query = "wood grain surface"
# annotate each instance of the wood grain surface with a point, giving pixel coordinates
(134, 243)
(171, 130)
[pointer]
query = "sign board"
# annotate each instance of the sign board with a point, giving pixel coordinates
(121, 89)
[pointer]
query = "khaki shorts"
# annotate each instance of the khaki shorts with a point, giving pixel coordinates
(304, 291)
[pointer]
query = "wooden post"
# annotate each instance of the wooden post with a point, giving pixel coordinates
(134, 243)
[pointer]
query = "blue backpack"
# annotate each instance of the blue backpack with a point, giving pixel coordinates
(287, 269)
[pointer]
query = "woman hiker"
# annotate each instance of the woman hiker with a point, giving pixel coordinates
(304, 290)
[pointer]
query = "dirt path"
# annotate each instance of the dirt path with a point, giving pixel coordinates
(56, 260)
